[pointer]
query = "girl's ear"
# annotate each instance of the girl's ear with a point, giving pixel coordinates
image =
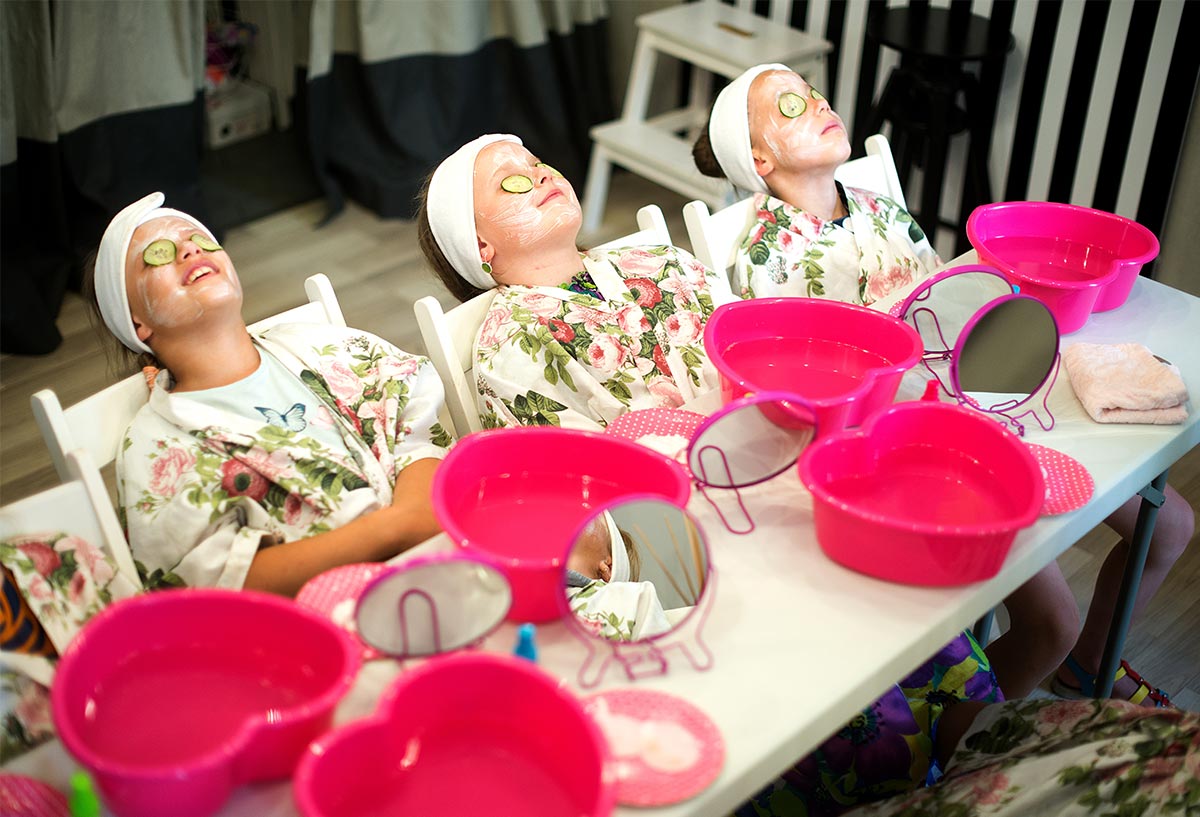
(486, 251)
(763, 164)
(143, 332)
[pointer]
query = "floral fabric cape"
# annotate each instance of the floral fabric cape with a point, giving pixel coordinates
(202, 489)
(549, 356)
(789, 252)
(619, 611)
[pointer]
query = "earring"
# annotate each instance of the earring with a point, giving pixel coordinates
(487, 268)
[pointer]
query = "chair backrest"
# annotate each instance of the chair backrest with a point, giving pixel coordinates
(79, 508)
(450, 336)
(96, 424)
(716, 237)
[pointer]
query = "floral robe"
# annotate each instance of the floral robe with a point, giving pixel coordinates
(619, 611)
(788, 252)
(202, 490)
(550, 356)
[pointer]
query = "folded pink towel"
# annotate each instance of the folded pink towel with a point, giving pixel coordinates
(1125, 383)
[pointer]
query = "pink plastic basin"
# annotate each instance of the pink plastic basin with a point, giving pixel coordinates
(845, 360)
(462, 735)
(518, 495)
(1075, 259)
(925, 493)
(173, 698)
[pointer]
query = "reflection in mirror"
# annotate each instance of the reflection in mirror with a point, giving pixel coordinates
(636, 570)
(1010, 350)
(751, 440)
(433, 605)
(942, 306)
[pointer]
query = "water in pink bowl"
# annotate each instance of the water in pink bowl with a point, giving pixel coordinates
(532, 516)
(815, 368)
(1057, 259)
(167, 706)
(923, 484)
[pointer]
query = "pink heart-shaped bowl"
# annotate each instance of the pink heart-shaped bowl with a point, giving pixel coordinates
(173, 698)
(845, 360)
(924, 493)
(518, 496)
(1074, 259)
(473, 733)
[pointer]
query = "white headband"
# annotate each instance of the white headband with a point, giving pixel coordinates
(450, 206)
(110, 264)
(621, 572)
(729, 130)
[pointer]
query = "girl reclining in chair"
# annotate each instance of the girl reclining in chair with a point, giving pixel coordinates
(571, 339)
(263, 459)
(774, 135)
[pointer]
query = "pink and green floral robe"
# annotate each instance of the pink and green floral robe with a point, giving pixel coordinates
(549, 356)
(202, 490)
(789, 252)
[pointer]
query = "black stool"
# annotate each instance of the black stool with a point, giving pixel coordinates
(921, 100)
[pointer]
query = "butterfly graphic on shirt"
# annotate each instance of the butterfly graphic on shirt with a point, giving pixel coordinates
(292, 419)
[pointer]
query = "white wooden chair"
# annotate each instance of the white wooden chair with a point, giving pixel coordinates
(96, 424)
(716, 237)
(450, 336)
(714, 38)
(79, 507)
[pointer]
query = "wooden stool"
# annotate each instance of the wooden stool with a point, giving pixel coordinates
(714, 38)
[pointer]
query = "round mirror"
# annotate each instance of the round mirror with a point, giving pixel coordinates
(751, 440)
(1009, 348)
(635, 571)
(433, 605)
(942, 306)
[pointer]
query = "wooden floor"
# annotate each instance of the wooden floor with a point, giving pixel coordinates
(378, 273)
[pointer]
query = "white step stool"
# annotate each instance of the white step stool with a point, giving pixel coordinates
(715, 38)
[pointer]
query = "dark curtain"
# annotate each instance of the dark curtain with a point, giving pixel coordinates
(377, 130)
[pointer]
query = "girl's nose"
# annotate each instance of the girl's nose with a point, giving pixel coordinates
(822, 105)
(541, 174)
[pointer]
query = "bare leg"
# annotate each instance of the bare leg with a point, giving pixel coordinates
(1045, 623)
(1173, 530)
(952, 725)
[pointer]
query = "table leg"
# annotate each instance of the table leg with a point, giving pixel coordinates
(983, 628)
(1152, 499)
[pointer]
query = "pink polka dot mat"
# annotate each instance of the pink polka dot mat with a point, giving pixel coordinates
(664, 749)
(1069, 486)
(645, 426)
(22, 796)
(334, 594)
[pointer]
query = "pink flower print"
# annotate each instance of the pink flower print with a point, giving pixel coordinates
(694, 271)
(593, 319)
(645, 291)
(321, 417)
(766, 216)
(1062, 718)
(543, 306)
(561, 331)
(679, 286)
(167, 469)
(296, 512)
(492, 331)
(641, 263)
(787, 240)
(632, 321)
(815, 224)
(683, 327)
(33, 710)
(391, 368)
(660, 360)
(869, 202)
(76, 588)
(757, 233)
(885, 281)
(989, 789)
(238, 479)
(665, 392)
(39, 589)
(343, 383)
(606, 354)
(45, 560)
(88, 557)
(276, 465)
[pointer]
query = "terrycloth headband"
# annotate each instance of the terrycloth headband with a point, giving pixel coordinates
(729, 130)
(621, 571)
(110, 264)
(450, 206)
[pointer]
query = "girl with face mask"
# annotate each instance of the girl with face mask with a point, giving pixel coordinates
(772, 134)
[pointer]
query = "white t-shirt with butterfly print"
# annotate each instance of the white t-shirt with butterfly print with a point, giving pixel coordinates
(272, 395)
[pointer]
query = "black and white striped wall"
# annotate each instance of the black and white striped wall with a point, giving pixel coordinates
(1092, 103)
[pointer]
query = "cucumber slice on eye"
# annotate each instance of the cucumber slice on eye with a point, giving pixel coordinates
(815, 94)
(159, 252)
(204, 242)
(792, 105)
(516, 184)
(548, 167)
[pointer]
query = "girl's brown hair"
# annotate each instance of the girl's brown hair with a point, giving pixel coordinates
(704, 157)
(122, 360)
